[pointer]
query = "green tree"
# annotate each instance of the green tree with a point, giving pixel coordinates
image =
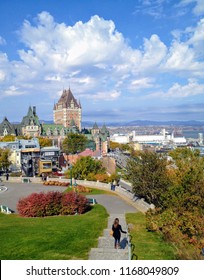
(85, 166)
(74, 143)
(4, 159)
(148, 174)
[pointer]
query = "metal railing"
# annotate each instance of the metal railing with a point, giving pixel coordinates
(129, 238)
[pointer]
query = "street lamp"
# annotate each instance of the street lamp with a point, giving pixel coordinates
(70, 175)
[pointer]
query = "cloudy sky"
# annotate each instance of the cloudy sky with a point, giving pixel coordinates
(124, 60)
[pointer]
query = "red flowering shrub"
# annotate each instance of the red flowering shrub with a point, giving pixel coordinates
(73, 203)
(32, 206)
(52, 203)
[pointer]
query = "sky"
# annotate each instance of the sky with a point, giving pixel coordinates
(124, 60)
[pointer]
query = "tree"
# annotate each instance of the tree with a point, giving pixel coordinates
(148, 174)
(8, 138)
(187, 191)
(45, 142)
(4, 159)
(74, 143)
(85, 166)
(181, 218)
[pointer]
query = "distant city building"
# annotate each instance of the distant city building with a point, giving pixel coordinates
(120, 138)
(67, 111)
(163, 138)
(200, 139)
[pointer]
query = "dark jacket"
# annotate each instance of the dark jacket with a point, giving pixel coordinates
(117, 231)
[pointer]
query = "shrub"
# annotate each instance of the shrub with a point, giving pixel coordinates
(74, 203)
(52, 203)
(32, 206)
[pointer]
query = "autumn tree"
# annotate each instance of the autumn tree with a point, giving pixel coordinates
(8, 138)
(148, 174)
(74, 143)
(181, 219)
(45, 141)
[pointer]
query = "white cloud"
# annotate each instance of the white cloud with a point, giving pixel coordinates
(2, 41)
(2, 76)
(96, 61)
(13, 91)
(141, 84)
(192, 88)
(107, 96)
(198, 8)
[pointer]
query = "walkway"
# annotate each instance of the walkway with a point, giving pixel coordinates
(116, 207)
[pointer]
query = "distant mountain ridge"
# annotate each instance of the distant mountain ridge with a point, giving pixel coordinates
(146, 123)
(137, 123)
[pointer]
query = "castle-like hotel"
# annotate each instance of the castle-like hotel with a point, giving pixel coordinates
(67, 115)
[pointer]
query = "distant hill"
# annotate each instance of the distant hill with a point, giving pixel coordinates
(146, 123)
(137, 123)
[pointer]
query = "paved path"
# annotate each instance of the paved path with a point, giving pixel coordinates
(15, 191)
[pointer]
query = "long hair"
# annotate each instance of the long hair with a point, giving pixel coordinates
(116, 222)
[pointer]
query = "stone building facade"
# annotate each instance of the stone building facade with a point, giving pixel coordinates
(67, 111)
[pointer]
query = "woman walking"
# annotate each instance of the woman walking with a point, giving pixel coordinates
(117, 229)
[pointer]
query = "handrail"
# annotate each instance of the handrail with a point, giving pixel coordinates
(129, 237)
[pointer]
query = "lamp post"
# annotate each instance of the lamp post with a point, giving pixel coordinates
(70, 176)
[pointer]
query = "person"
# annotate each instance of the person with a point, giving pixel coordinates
(7, 176)
(117, 229)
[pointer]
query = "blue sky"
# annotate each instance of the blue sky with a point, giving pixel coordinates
(124, 60)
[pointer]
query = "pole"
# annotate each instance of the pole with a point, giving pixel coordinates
(70, 175)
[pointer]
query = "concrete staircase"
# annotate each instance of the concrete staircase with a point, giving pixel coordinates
(106, 250)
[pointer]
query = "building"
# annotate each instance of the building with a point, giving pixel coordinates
(29, 126)
(101, 137)
(120, 138)
(163, 138)
(67, 111)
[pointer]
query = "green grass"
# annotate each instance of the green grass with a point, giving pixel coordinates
(51, 238)
(93, 191)
(148, 245)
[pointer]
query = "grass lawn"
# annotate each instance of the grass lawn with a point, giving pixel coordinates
(93, 191)
(148, 245)
(51, 238)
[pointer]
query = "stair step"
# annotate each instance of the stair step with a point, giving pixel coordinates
(106, 250)
(106, 242)
(108, 254)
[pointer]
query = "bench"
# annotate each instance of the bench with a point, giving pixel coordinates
(6, 210)
(26, 180)
(91, 201)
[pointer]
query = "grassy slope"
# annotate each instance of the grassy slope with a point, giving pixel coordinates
(62, 237)
(148, 245)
